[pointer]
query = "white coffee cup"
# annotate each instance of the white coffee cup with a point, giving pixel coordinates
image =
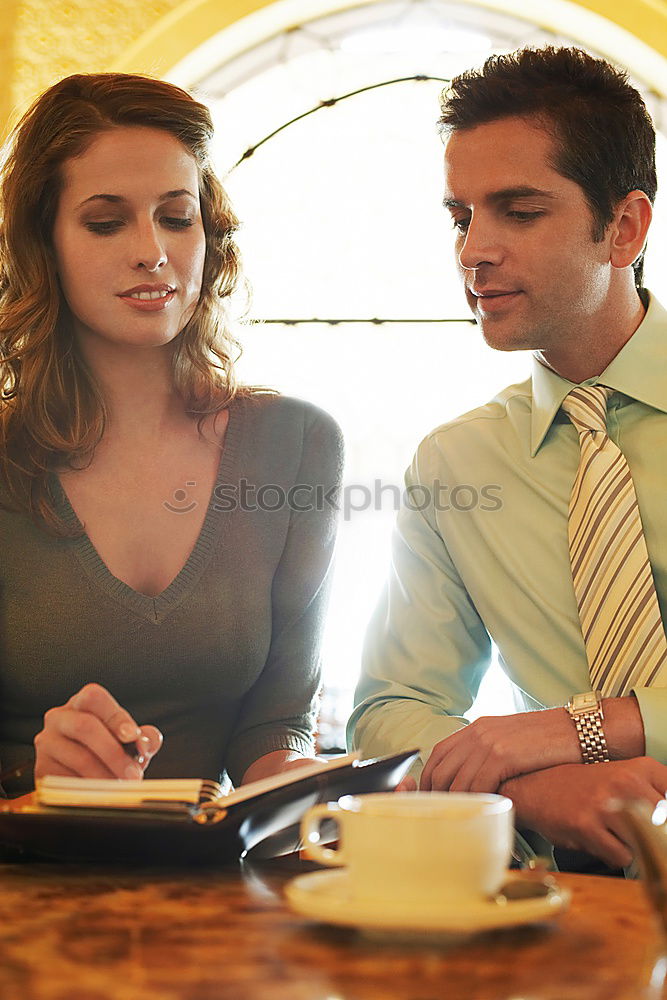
(416, 846)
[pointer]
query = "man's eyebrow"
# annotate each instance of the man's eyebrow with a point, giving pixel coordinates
(522, 191)
(503, 195)
(116, 199)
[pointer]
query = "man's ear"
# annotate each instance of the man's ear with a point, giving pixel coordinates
(629, 229)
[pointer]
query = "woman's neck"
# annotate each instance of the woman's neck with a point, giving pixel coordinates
(137, 387)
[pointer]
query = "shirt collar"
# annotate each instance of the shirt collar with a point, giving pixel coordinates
(639, 370)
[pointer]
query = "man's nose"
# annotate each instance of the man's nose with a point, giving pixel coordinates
(480, 246)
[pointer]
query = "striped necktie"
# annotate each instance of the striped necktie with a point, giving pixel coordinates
(613, 583)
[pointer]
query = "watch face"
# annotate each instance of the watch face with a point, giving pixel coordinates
(585, 702)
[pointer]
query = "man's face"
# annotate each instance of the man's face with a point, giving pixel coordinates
(533, 275)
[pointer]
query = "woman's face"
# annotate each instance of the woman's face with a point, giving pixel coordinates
(129, 239)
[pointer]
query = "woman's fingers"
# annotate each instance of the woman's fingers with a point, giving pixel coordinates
(148, 745)
(64, 756)
(81, 742)
(50, 766)
(97, 701)
(85, 737)
(92, 739)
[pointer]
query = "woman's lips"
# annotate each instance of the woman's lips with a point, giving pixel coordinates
(148, 304)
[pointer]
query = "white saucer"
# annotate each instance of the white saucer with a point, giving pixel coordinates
(328, 896)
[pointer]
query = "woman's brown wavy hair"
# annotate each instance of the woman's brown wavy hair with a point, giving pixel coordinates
(51, 411)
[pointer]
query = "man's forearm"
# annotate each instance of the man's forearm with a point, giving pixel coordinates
(623, 728)
(495, 748)
(570, 804)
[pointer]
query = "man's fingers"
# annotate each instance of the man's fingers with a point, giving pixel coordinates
(477, 775)
(446, 750)
(614, 821)
(439, 769)
(613, 851)
(475, 771)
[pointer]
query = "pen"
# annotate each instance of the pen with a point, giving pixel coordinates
(132, 750)
(17, 771)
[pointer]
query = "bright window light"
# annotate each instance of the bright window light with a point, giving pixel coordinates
(342, 220)
(415, 38)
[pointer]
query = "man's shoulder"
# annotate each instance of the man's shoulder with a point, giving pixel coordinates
(489, 419)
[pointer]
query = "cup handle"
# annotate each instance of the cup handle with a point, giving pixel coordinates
(310, 835)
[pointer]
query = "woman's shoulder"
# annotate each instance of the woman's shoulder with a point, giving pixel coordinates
(286, 432)
(287, 411)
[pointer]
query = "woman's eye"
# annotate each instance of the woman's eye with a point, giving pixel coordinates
(176, 223)
(104, 228)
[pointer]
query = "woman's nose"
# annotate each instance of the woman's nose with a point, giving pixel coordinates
(149, 251)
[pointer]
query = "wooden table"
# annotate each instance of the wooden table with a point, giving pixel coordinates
(89, 934)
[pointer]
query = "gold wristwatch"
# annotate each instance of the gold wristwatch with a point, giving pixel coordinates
(585, 710)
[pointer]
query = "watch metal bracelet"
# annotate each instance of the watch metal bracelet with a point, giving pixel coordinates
(587, 715)
(591, 738)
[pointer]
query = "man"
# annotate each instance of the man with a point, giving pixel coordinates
(549, 182)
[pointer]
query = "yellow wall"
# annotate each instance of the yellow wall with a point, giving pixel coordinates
(43, 40)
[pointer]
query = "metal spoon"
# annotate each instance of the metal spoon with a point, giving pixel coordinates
(538, 883)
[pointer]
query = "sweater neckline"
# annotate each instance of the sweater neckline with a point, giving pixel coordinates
(155, 609)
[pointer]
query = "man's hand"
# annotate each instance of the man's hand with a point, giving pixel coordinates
(569, 804)
(83, 738)
(492, 749)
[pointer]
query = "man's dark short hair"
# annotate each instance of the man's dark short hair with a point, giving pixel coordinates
(605, 139)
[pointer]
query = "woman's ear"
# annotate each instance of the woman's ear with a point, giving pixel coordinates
(630, 226)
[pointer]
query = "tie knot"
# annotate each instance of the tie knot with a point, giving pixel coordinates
(586, 406)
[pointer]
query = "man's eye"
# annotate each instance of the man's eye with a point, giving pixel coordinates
(524, 216)
(104, 228)
(461, 225)
(176, 223)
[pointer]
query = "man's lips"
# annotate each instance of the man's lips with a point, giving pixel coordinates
(492, 299)
(492, 293)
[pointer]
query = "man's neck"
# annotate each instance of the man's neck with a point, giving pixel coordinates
(598, 350)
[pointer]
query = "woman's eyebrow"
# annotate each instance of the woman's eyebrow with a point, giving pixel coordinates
(115, 199)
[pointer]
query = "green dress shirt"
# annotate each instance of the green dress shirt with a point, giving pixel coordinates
(480, 553)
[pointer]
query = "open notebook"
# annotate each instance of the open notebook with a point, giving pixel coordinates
(178, 821)
(197, 796)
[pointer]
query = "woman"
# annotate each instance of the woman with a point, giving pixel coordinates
(166, 536)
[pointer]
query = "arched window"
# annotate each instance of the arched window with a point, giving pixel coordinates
(343, 226)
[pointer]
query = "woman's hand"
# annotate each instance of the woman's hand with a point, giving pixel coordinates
(277, 762)
(84, 738)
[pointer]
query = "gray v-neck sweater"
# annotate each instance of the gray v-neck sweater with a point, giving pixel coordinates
(225, 661)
